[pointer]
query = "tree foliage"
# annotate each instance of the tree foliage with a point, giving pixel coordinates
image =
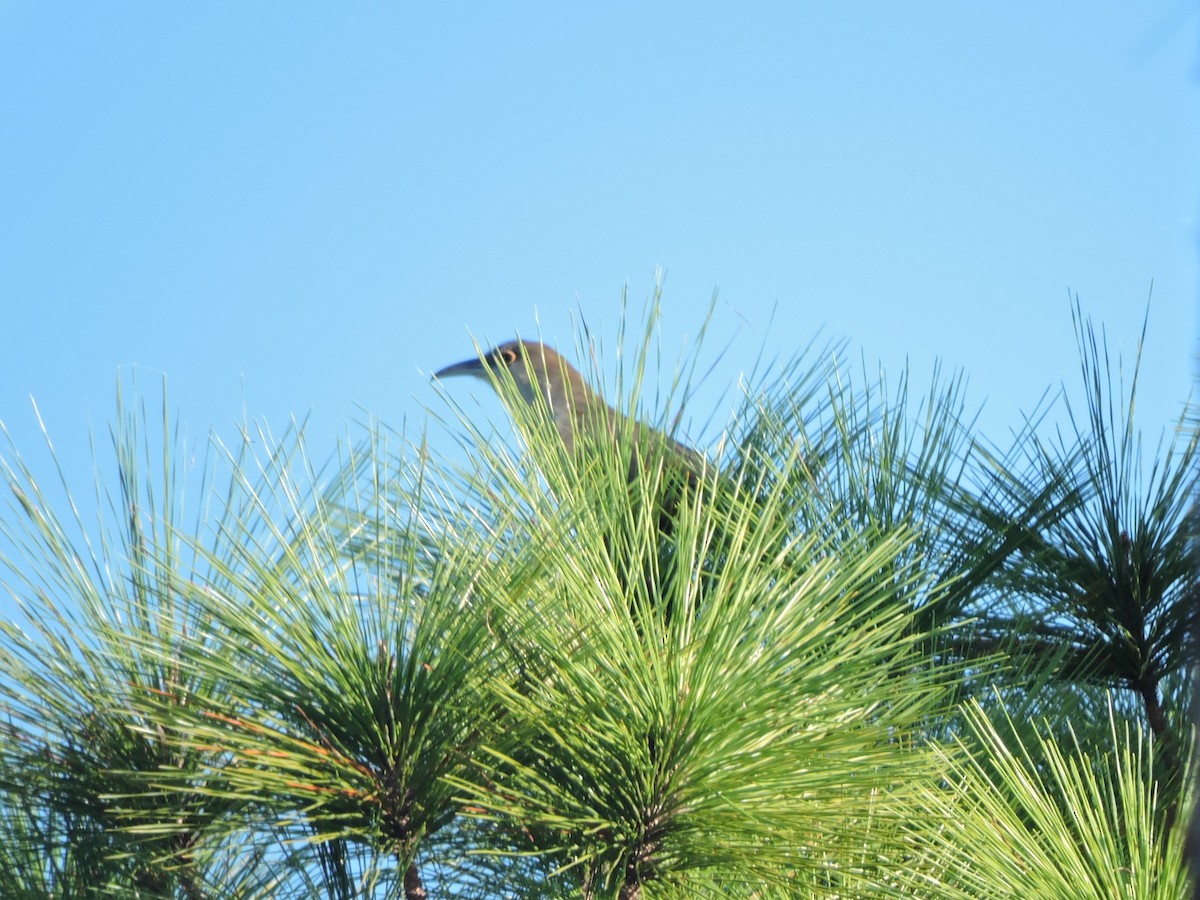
(865, 654)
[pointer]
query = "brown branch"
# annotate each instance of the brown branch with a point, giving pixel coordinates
(414, 889)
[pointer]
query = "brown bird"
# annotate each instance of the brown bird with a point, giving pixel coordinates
(584, 420)
(542, 376)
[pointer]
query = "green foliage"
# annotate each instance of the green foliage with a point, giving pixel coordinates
(1024, 814)
(1100, 584)
(607, 674)
(92, 678)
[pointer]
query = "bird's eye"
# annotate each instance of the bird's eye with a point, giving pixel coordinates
(508, 356)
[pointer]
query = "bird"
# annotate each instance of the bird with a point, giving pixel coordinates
(585, 424)
(580, 415)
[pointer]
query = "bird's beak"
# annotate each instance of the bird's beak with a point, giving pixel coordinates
(466, 367)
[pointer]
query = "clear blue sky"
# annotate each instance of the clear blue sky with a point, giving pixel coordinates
(297, 209)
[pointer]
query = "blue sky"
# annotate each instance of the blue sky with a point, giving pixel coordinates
(302, 209)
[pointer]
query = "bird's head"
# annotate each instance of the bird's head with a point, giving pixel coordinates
(536, 370)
